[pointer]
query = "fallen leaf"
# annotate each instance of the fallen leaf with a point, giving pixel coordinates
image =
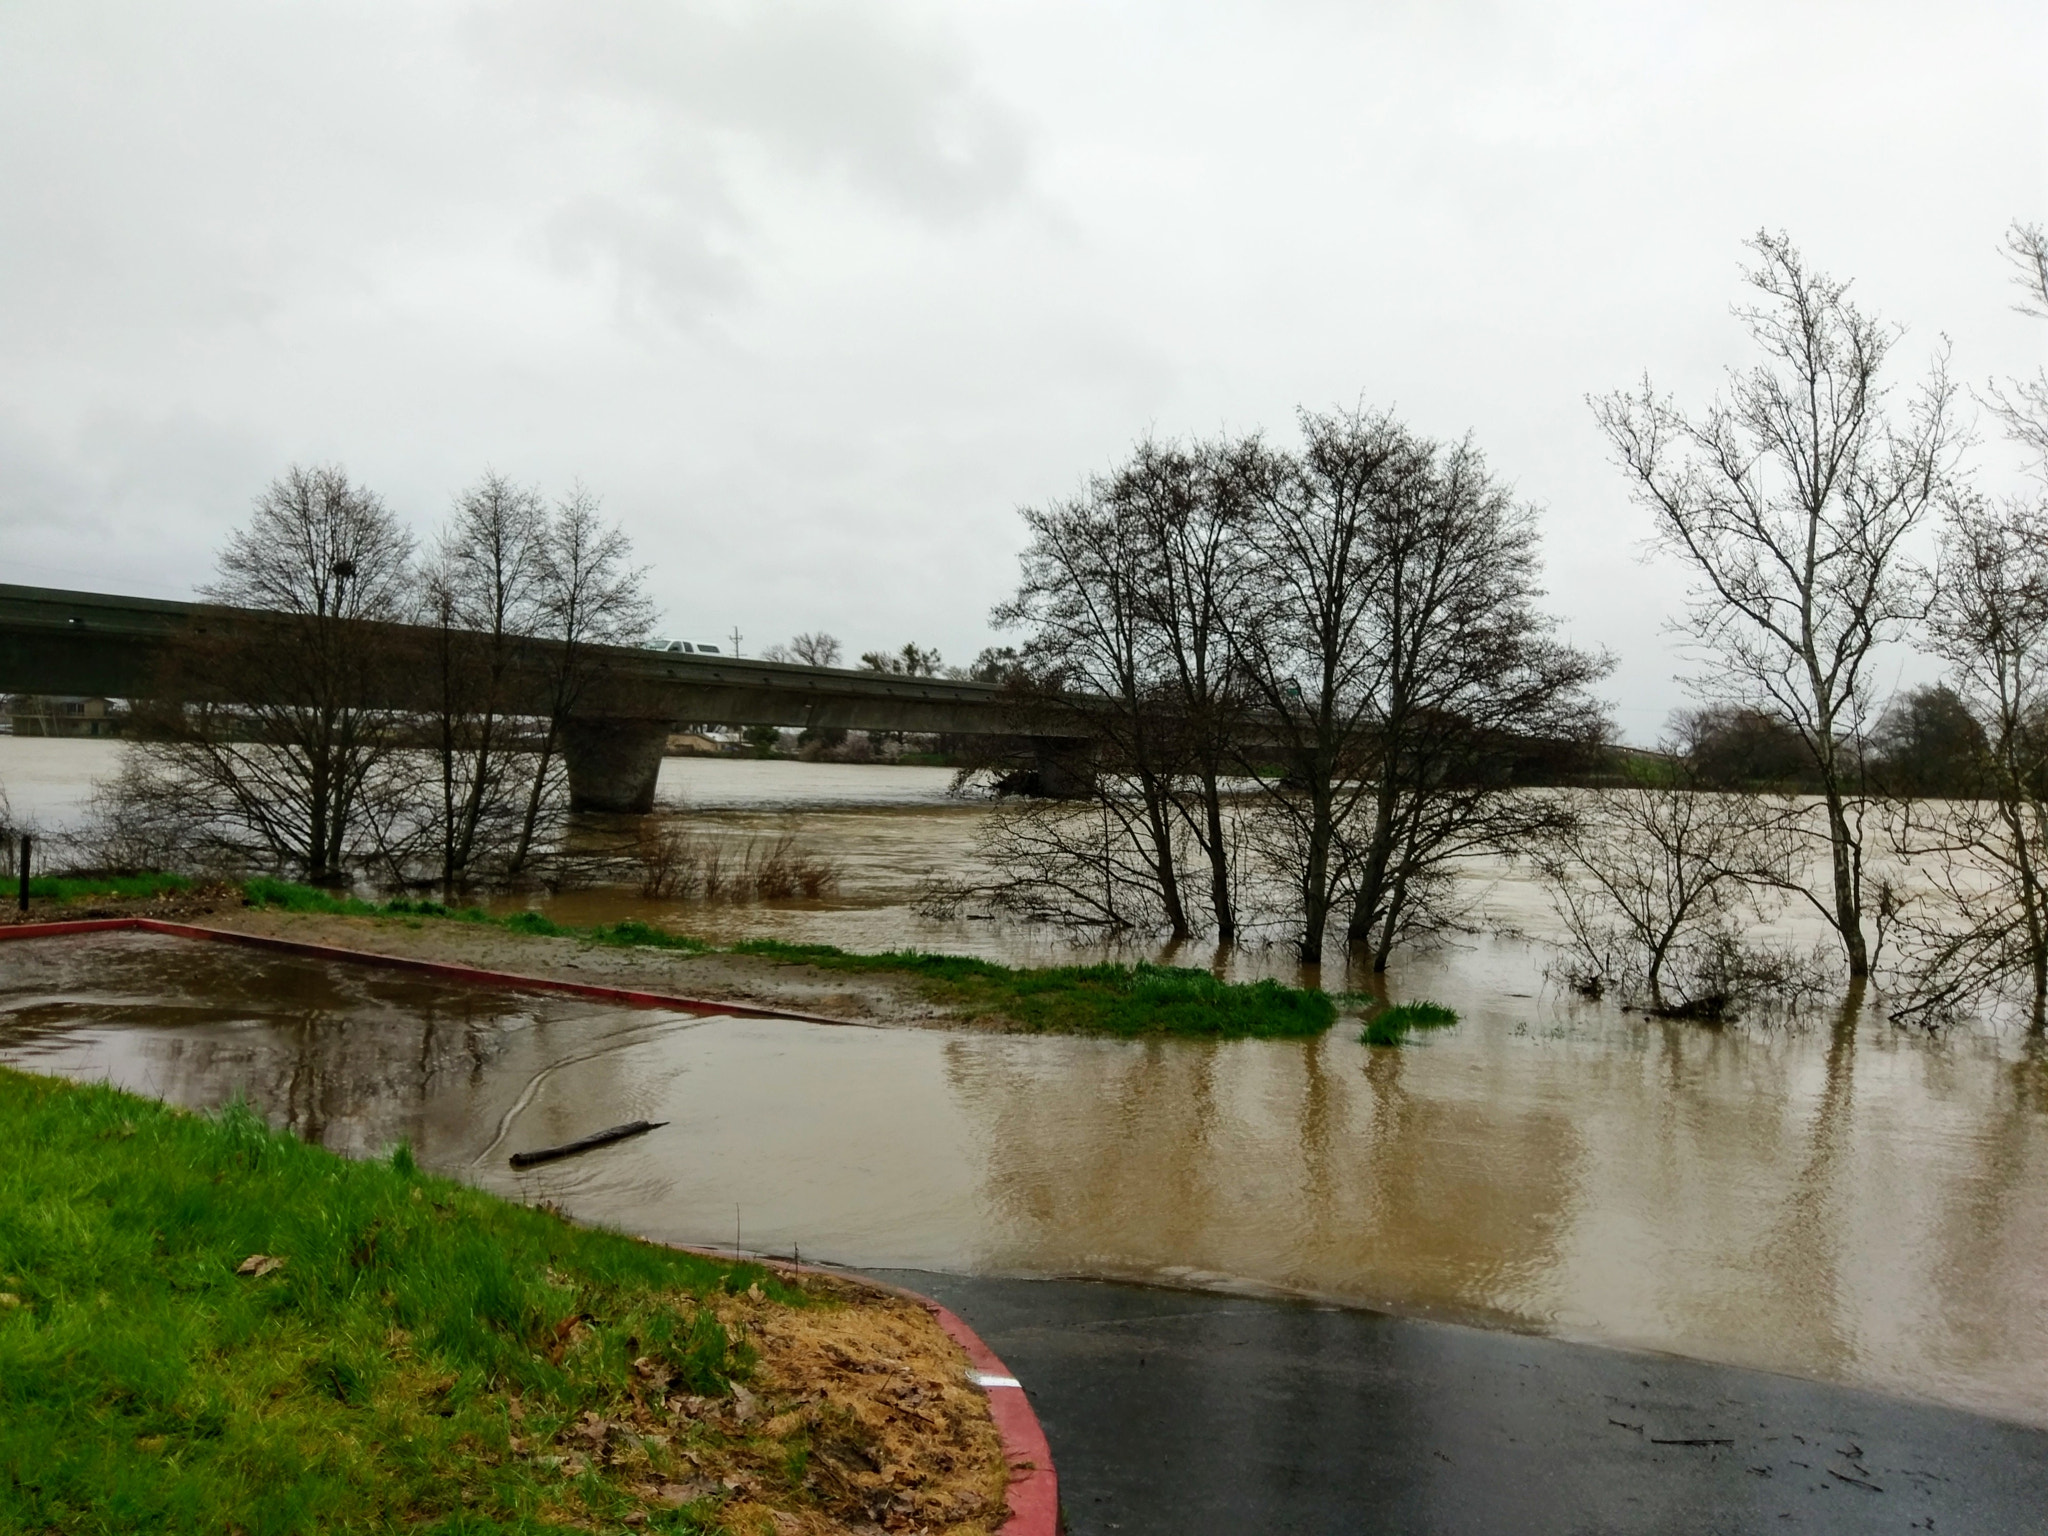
(745, 1404)
(258, 1265)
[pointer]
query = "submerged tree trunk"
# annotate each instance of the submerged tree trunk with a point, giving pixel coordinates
(1221, 901)
(1848, 905)
(1159, 827)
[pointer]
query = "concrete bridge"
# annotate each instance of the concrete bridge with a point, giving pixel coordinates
(102, 644)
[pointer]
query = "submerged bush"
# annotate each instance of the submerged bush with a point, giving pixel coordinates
(1390, 1026)
(675, 862)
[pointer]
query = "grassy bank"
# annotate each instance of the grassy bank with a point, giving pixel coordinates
(1106, 999)
(1102, 999)
(284, 896)
(208, 1326)
(106, 887)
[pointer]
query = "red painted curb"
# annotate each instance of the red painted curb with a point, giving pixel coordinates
(1034, 1491)
(446, 970)
(73, 925)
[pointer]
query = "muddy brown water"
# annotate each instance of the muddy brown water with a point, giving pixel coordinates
(1832, 1197)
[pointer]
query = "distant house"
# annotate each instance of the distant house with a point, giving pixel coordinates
(35, 714)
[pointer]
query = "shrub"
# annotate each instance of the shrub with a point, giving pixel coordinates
(1390, 1026)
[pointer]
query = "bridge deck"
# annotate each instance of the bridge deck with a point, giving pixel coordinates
(60, 642)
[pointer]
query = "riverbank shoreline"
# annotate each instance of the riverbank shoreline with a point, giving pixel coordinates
(816, 982)
(205, 1324)
(745, 980)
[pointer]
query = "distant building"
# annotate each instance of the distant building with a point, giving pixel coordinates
(694, 744)
(35, 714)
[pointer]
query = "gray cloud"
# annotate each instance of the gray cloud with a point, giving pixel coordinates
(823, 87)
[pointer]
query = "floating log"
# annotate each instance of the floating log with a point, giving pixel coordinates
(588, 1143)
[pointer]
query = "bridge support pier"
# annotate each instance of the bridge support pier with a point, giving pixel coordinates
(613, 764)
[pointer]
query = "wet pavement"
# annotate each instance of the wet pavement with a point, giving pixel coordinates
(1190, 1413)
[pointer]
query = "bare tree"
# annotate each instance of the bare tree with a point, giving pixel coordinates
(1306, 644)
(1464, 677)
(482, 596)
(2022, 404)
(280, 727)
(992, 664)
(1793, 498)
(1190, 510)
(1986, 860)
(1086, 863)
(1351, 629)
(588, 594)
(815, 649)
(913, 660)
(1082, 604)
(1987, 933)
(1651, 882)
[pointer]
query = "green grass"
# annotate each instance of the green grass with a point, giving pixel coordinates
(371, 1383)
(1390, 1026)
(105, 887)
(630, 933)
(291, 897)
(1096, 999)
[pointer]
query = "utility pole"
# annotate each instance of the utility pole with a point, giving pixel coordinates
(735, 640)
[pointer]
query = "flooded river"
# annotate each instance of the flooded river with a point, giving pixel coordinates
(1833, 1198)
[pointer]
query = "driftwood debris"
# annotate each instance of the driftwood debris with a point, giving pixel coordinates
(588, 1143)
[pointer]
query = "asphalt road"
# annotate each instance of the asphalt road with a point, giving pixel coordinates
(1190, 1413)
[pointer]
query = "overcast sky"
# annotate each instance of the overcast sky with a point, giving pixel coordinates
(815, 295)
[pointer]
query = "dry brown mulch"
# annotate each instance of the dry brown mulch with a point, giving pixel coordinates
(898, 1439)
(860, 1406)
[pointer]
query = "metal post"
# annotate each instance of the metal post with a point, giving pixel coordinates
(24, 871)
